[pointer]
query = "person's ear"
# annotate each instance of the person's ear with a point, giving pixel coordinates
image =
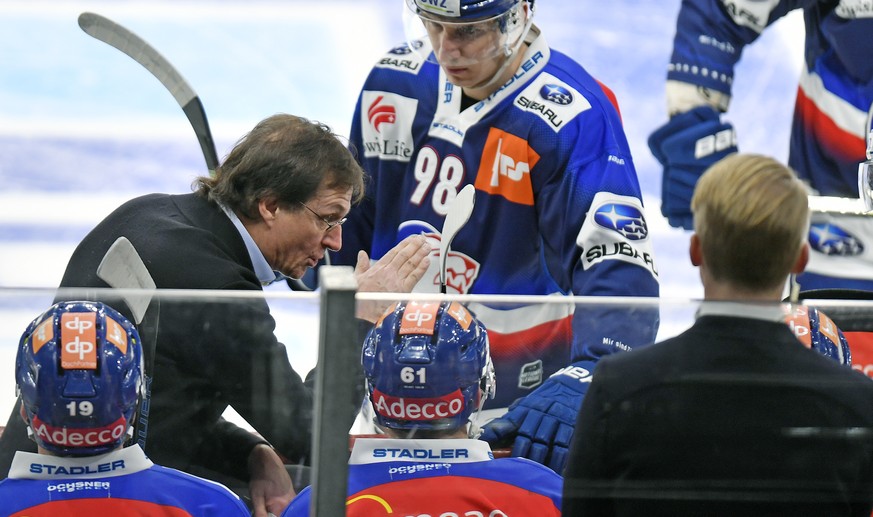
(694, 250)
(802, 259)
(268, 209)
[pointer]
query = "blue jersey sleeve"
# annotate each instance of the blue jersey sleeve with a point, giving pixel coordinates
(596, 238)
(711, 34)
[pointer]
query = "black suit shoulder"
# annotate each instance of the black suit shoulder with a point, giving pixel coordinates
(185, 241)
(734, 416)
(721, 345)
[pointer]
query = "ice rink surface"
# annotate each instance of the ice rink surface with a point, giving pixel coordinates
(84, 128)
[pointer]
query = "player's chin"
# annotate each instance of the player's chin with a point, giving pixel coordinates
(460, 78)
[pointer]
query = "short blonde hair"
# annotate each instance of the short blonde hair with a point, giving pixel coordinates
(751, 215)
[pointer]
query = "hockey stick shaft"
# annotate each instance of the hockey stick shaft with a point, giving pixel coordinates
(111, 33)
(122, 268)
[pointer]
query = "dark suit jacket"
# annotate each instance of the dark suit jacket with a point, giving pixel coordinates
(210, 353)
(732, 417)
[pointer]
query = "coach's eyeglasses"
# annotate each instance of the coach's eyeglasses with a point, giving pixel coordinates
(330, 224)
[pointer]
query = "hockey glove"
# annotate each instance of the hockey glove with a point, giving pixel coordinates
(542, 422)
(686, 146)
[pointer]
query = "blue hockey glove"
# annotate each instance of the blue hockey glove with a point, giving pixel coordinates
(686, 146)
(543, 421)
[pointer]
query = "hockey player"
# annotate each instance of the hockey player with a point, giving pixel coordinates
(476, 96)
(831, 116)
(428, 371)
(79, 371)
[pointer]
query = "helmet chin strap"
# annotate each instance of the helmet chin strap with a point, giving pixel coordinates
(485, 392)
(474, 428)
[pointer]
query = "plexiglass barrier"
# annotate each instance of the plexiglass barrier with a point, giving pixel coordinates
(230, 348)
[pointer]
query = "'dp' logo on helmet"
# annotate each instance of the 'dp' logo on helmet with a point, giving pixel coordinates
(79, 371)
(79, 340)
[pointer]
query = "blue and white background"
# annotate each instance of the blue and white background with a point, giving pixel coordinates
(84, 128)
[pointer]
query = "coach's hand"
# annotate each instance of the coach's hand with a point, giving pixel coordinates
(542, 422)
(396, 272)
(270, 485)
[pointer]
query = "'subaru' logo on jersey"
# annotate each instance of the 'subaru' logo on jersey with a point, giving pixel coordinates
(505, 167)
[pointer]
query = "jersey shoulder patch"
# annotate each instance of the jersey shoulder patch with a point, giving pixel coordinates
(402, 58)
(615, 229)
(386, 125)
(552, 99)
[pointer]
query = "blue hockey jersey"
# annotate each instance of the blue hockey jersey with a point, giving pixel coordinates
(120, 483)
(441, 477)
(834, 96)
(558, 208)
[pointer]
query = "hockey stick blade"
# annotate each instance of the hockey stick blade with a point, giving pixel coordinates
(459, 213)
(111, 33)
(122, 268)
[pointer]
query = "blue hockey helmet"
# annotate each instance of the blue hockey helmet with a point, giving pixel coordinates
(428, 366)
(492, 28)
(817, 331)
(466, 10)
(79, 373)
